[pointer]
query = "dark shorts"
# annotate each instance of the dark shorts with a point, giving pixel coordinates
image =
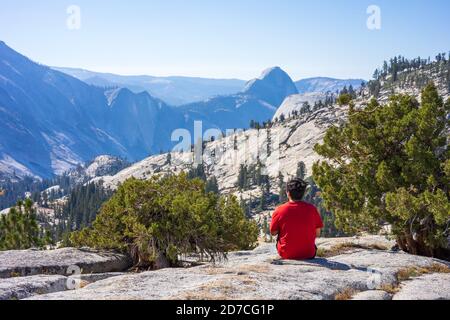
(315, 254)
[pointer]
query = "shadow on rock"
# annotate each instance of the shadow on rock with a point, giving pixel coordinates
(319, 262)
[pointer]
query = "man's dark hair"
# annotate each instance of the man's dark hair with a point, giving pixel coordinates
(296, 189)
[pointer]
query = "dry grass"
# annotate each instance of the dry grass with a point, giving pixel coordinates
(414, 272)
(241, 270)
(346, 294)
(83, 283)
(410, 272)
(347, 247)
(390, 288)
(439, 268)
(216, 270)
(222, 289)
(253, 268)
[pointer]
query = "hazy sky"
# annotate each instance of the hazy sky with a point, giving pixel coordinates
(225, 38)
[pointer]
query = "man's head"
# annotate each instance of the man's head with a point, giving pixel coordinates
(296, 189)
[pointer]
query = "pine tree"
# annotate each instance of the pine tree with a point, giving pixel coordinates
(262, 200)
(282, 198)
(212, 185)
(198, 172)
(394, 168)
(19, 228)
(301, 170)
(242, 177)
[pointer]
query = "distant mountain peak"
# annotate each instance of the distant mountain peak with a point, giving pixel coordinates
(125, 94)
(273, 86)
(113, 94)
(271, 72)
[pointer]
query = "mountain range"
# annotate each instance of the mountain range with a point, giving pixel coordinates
(178, 90)
(51, 121)
(290, 140)
(173, 90)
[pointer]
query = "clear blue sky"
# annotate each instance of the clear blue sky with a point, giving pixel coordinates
(225, 38)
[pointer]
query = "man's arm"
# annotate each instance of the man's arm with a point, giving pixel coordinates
(274, 226)
(318, 231)
(319, 223)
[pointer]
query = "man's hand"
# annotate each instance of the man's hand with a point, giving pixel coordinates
(275, 233)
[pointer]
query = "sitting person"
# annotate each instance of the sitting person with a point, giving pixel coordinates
(297, 224)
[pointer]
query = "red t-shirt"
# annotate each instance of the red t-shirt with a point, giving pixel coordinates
(296, 223)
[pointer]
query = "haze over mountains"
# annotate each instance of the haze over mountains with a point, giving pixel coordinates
(178, 90)
(173, 90)
(51, 121)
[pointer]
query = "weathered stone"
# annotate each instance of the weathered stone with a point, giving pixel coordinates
(427, 287)
(94, 277)
(373, 242)
(260, 274)
(31, 262)
(24, 287)
(372, 295)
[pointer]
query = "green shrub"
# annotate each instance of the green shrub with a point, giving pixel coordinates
(391, 164)
(158, 220)
(19, 229)
(344, 99)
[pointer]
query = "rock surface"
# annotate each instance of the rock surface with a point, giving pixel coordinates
(56, 262)
(259, 274)
(427, 287)
(372, 295)
(354, 268)
(24, 287)
(374, 242)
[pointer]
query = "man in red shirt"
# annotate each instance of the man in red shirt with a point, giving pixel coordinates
(297, 224)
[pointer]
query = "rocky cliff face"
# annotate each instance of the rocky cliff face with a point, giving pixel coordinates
(288, 142)
(296, 102)
(324, 84)
(349, 268)
(101, 166)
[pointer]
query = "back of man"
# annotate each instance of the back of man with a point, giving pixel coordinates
(296, 223)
